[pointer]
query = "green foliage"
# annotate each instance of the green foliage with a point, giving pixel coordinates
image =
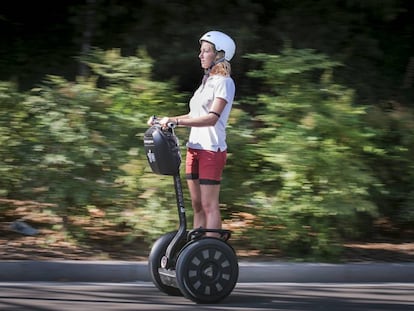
(13, 126)
(309, 165)
(129, 85)
(393, 163)
(309, 140)
(79, 144)
(76, 147)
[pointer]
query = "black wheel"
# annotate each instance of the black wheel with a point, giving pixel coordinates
(154, 262)
(207, 270)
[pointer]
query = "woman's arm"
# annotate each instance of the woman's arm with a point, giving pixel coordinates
(208, 120)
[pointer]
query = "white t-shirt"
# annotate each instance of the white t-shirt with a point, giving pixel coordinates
(211, 137)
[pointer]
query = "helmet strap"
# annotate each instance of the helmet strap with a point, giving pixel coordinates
(207, 71)
(220, 60)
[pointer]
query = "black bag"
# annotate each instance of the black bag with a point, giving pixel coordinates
(162, 149)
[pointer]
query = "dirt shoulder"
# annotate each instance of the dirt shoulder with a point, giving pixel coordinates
(101, 240)
(51, 245)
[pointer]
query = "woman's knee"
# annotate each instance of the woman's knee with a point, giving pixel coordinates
(210, 207)
(196, 205)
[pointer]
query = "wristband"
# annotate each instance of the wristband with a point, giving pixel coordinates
(215, 113)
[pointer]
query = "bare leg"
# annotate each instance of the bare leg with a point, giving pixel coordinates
(199, 215)
(210, 206)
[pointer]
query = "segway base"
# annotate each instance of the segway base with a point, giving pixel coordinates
(168, 277)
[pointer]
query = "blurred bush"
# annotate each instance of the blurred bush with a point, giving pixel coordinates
(13, 128)
(79, 144)
(308, 167)
(308, 180)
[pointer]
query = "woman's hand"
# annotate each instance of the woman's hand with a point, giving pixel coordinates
(164, 121)
(151, 120)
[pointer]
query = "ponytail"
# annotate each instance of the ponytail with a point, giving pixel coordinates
(222, 67)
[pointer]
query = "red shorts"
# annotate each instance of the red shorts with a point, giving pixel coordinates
(204, 165)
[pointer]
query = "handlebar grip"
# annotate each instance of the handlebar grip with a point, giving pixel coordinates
(171, 125)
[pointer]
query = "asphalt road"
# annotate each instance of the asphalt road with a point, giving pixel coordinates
(42, 296)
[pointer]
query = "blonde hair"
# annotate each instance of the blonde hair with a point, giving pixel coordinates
(223, 67)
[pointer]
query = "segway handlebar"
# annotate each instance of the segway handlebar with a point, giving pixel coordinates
(154, 120)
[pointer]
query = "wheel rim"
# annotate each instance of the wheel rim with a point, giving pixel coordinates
(207, 272)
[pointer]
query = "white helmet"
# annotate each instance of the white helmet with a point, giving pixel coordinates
(222, 42)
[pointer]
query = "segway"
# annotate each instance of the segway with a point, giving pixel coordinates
(185, 262)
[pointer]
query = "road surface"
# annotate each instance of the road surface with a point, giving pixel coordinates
(63, 296)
